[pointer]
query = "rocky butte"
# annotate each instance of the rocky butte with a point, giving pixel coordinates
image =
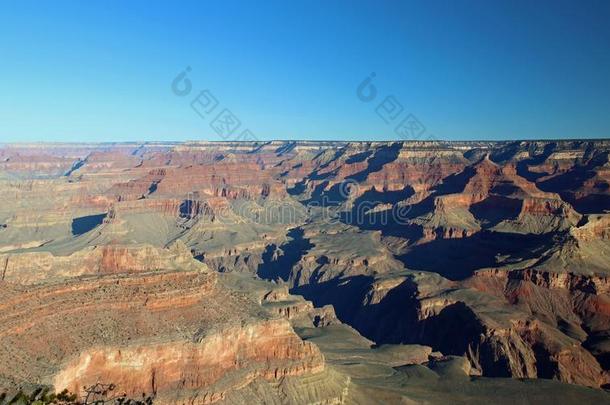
(306, 272)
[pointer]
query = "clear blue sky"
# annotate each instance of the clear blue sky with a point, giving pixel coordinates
(102, 70)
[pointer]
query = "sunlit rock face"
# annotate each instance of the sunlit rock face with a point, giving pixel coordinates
(306, 272)
(218, 363)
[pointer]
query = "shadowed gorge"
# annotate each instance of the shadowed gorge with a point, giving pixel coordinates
(85, 224)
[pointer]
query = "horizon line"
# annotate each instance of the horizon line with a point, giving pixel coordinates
(325, 141)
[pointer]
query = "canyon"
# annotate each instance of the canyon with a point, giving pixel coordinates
(307, 272)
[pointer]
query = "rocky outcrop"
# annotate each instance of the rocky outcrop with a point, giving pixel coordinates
(212, 365)
(38, 267)
(174, 335)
